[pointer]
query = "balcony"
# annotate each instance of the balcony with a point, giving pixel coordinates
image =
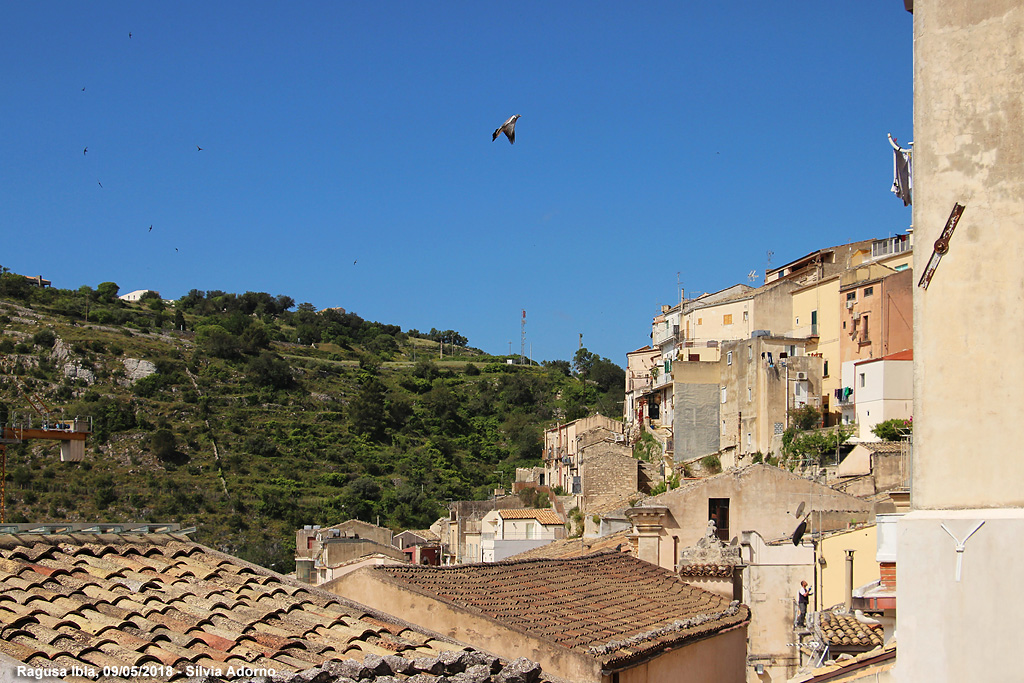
(665, 333)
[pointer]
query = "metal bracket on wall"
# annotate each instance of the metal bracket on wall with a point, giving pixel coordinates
(961, 546)
(941, 246)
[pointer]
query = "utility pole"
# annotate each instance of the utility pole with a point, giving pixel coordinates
(522, 339)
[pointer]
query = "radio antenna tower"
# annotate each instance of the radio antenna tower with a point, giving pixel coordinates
(522, 340)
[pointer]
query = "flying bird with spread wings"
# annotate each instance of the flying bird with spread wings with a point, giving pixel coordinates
(509, 129)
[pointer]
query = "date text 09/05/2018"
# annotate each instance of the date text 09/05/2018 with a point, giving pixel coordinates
(144, 671)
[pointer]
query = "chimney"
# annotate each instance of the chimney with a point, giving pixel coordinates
(849, 581)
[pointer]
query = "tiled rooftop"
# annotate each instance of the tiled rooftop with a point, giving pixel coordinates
(608, 605)
(549, 517)
(842, 630)
(577, 547)
(161, 600)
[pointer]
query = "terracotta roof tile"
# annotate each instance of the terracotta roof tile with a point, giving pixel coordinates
(547, 517)
(110, 600)
(576, 602)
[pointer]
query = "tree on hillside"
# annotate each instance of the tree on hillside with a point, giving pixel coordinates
(107, 292)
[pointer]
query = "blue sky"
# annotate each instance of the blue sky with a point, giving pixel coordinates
(347, 156)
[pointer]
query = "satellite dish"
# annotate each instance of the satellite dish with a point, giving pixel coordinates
(799, 533)
(735, 540)
(800, 509)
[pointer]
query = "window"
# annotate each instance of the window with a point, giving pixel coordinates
(825, 371)
(723, 395)
(728, 358)
(851, 296)
(868, 291)
(750, 353)
(745, 316)
(700, 321)
(792, 349)
(750, 394)
(864, 326)
(718, 512)
(798, 321)
(727, 319)
(748, 439)
(861, 382)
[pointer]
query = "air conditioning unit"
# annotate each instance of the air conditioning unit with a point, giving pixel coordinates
(849, 305)
(801, 375)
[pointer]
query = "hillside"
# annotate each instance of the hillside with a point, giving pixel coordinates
(246, 432)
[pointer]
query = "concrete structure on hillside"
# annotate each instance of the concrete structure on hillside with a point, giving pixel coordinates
(883, 389)
(137, 295)
(600, 618)
(504, 533)
(877, 314)
(966, 526)
(874, 467)
(323, 554)
(739, 404)
(640, 366)
(563, 445)
(463, 531)
(757, 498)
(762, 379)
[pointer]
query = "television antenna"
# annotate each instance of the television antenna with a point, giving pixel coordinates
(752, 276)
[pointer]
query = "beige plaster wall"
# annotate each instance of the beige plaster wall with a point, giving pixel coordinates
(720, 659)
(832, 577)
(762, 498)
(481, 632)
(968, 123)
(969, 148)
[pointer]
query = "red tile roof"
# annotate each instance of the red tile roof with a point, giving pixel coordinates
(610, 606)
(546, 517)
(161, 600)
(842, 630)
(577, 547)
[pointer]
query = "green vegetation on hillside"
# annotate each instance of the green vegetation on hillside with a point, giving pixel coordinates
(260, 418)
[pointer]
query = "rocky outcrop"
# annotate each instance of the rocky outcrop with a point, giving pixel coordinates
(135, 369)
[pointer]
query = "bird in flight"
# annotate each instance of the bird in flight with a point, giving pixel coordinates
(198, 148)
(100, 184)
(151, 228)
(84, 151)
(83, 89)
(509, 129)
(129, 35)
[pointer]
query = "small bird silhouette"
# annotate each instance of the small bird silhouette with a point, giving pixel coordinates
(198, 148)
(84, 151)
(175, 249)
(129, 35)
(83, 89)
(99, 183)
(509, 129)
(354, 262)
(151, 228)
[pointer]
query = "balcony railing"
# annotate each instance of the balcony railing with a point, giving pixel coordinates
(520, 536)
